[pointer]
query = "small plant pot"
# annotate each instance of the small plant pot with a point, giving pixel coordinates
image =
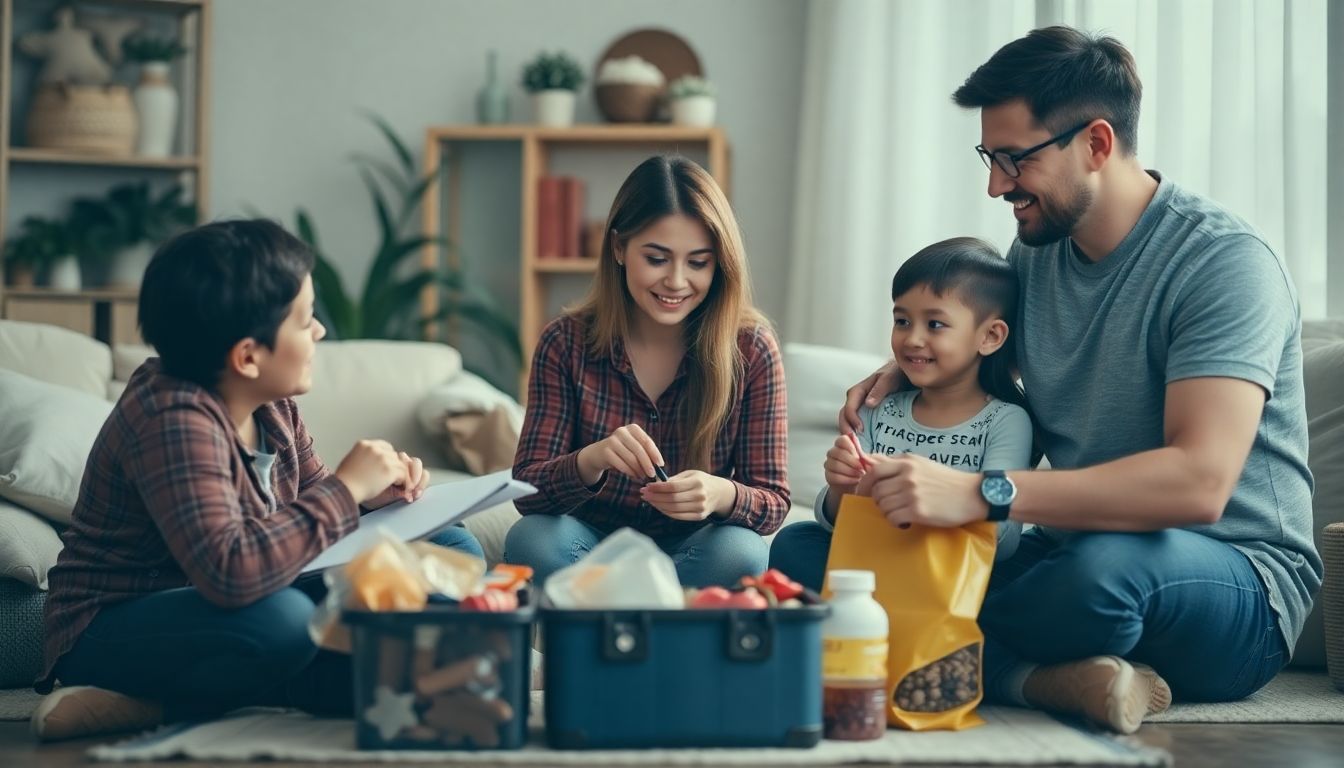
(554, 107)
(64, 275)
(694, 110)
(128, 265)
(627, 102)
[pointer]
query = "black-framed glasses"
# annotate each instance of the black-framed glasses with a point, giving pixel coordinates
(1008, 161)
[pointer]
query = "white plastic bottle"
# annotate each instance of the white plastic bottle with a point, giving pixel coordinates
(854, 659)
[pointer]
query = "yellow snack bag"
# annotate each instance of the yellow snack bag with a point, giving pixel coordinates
(931, 581)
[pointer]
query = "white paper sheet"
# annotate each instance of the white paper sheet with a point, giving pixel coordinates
(441, 506)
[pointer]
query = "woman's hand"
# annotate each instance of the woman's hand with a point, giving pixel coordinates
(869, 392)
(417, 479)
(691, 495)
(628, 450)
(913, 489)
(843, 467)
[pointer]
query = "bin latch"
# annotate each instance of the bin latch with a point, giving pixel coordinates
(626, 637)
(751, 635)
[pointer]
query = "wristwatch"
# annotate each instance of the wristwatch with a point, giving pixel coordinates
(999, 492)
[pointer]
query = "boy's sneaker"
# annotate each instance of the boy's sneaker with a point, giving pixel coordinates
(1106, 690)
(82, 710)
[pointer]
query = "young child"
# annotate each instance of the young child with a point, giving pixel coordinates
(202, 499)
(666, 367)
(961, 406)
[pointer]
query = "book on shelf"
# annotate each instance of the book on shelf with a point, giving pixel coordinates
(571, 220)
(550, 193)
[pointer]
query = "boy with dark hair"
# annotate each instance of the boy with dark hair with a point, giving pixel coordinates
(203, 499)
(1159, 342)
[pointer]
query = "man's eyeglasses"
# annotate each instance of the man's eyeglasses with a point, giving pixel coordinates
(1008, 161)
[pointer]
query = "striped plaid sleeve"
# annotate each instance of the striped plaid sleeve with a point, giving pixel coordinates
(761, 456)
(182, 472)
(311, 467)
(546, 457)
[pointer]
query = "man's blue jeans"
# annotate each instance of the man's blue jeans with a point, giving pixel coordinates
(200, 660)
(1190, 606)
(713, 555)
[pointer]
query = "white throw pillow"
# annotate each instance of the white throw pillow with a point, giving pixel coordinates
(46, 433)
(28, 546)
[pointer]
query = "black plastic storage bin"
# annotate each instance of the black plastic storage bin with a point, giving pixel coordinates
(441, 678)
(683, 678)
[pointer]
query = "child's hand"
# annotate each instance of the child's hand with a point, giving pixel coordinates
(690, 495)
(843, 467)
(408, 490)
(369, 467)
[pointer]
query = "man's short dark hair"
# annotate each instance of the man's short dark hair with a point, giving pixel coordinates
(1065, 77)
(213, 286)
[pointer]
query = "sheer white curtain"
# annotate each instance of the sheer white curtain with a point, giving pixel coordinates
(1234, 107)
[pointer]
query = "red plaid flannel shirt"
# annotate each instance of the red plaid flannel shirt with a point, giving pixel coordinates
(576, 398)
(169, 500)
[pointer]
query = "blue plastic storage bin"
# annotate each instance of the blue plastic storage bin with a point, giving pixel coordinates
(441, 678)
(683, 678)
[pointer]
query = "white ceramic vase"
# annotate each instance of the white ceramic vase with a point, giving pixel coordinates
(694, 110)
(63, 275)
(156, 103)
(553, 107)
(128, 265)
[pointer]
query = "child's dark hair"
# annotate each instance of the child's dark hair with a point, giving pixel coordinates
(973, 270)
(213, 286)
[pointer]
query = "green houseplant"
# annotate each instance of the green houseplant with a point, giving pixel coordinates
(40, 245)
(389, 305)
(553, 79)
(120, 231)
(145, 48)
(692, 101)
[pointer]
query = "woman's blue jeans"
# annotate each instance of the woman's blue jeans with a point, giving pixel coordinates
(1190, 606)
(713, 555)
(200, 660)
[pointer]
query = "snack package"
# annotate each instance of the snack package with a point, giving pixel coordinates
(931, 581)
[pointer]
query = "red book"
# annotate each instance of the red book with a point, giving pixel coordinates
(571, 219)
(550, 194)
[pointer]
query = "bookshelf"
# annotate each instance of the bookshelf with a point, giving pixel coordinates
(530, 152)
(49, 178)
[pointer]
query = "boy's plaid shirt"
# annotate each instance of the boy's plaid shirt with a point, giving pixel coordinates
(169, 500)
(576, 398)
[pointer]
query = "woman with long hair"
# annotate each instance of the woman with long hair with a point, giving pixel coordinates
(657, 403)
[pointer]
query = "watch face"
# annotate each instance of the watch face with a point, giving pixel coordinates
(998, 491)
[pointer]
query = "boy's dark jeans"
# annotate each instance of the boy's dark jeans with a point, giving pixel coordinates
(201, 660)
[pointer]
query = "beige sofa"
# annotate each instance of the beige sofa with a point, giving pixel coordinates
(393, 390)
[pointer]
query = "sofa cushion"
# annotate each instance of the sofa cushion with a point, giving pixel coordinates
(56, 355)
(28, 546)
(46, 433)
(817, 378)
(1323, 377)
(372, 389)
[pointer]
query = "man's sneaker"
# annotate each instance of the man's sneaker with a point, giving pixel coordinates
(81, 710)
(1106, 690)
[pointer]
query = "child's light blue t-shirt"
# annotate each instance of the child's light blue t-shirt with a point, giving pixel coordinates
(998, 437)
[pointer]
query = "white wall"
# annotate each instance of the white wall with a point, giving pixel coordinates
(291, 75)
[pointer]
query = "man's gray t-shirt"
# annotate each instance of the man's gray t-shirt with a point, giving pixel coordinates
(999, 436)
(1191, 292)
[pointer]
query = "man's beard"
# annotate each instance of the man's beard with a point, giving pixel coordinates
(1055, 224)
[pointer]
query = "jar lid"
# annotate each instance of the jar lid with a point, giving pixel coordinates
(863, 581)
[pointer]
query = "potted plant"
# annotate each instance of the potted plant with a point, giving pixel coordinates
(155, 98)
(692, 101)
(43, 245)
(121, 230)
(389, 306)
(553, 79)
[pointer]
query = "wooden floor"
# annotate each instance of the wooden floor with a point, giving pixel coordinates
(1193, 745)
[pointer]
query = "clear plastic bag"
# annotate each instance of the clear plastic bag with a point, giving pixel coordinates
(626, 570)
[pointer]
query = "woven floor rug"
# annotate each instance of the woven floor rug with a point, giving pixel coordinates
(1010, 737)
(1292, 697)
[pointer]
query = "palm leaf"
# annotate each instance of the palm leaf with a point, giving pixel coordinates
(390, 174)
(403, 154)
(389, 257)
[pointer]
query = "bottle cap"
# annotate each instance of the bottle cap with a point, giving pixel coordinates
(862, 581)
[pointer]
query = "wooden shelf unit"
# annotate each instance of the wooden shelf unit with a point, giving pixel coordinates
(107, 313)
(537, 143)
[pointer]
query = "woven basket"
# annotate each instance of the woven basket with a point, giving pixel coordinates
(95, 119)
(627, 102)
(1332, 597)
